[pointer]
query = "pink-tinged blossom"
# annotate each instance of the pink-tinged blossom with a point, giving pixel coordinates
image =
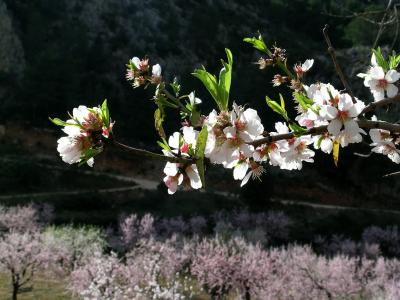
(22, 255)
(246, 169)
(382, 143)
(177, 173)
(293, 151)
(133, 229)
(102, 278)
(303, 68)
(20, 219)
(82, 134)
(230, 133)
(342, 119)
(324, 142)
(381, 83)
(193, 100)
(72, 148)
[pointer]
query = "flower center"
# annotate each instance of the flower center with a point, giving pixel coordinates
(185, 148)
(342, 114)
(334, 101)
(382, 83)
(272, 147)
(291, 141)
(235, 141)
(299, 70)
(240, 125)
(309, 123)
(301, 146)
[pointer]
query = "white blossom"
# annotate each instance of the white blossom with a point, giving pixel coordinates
(303, 68)
(383, 144)
(381, 83)
(343, 117)
(177, 173)
(193, 100)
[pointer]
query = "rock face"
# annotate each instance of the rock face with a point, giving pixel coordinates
(11, 51)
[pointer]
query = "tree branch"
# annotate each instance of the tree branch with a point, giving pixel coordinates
(384, 102)
(339, 71)
(381, 25)
(177, 101)
(364, 124)
(151, 155)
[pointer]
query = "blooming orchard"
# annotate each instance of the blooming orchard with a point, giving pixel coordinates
(232, 135)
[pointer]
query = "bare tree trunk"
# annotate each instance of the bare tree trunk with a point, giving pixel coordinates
(15, 291)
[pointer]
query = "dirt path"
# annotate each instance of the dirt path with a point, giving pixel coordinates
(148, 184)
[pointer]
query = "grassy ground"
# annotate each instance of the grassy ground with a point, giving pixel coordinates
(42, 289)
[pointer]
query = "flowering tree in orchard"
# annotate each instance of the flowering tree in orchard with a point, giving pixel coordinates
(232, 135)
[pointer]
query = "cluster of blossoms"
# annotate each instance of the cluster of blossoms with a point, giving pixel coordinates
(234, 136)
(381, 79)
(178, 173)
(229, 135)
(86, 131)
(139, 72)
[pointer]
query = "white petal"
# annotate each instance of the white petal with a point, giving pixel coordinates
(307, 65)
(240, 170)
(377, 73)
(334, 127)
(189, 135)
(362, 75)
(394, 156)
(392, 76)
(72, 130)
(373, 60)
(193, 174)
(136, 61)
(328, 112)
(230, 132)
(171, 169)
(375, 135)
(171, 183)
(174, 140)
(281, 128)
(156, 70)
(345, 102)
(391, 90)
(90, 162)
(246, 179)
(351, 127)
(326, 145)
(378, 94)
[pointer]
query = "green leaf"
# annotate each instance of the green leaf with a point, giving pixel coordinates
(282, 102)
(92, 152)
(319, 141)
(297, 130)
(210, 82)
(276, 107)
(225, 78)
(163, 144)
(176, 87)
(394, 60)
(380, 59)
(158, 122)
(161, 101)
(59, 122)
(195, 117)
(219, 90)
(199, 153)
(259, 44)
(105, 114)
(303, 100)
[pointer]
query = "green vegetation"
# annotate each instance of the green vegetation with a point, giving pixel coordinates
(44, 289)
